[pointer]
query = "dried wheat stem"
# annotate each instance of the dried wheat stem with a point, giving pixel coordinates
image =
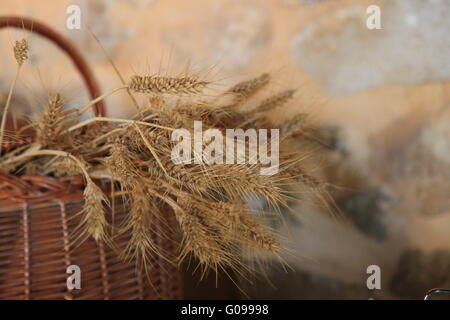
(140, 222)
(106, 135)
(5, 110)
(14, 120)
(104, 119)
(23, 128)
(13, 152)
(293, 126)
(98, 99)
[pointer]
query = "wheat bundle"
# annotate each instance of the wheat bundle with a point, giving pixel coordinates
(208, 200)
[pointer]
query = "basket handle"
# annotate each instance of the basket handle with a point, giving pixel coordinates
(65, 45)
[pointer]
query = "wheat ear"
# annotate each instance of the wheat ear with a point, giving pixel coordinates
(98, 99)
(111, 62)
(105, 119)
(93, 220)
(21, 51)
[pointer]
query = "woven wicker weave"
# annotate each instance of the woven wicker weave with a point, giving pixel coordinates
(37, 216)
(35, 248)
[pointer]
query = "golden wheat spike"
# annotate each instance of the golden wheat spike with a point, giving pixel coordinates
(256, 235)
(47, 126)
(168, 85)
(276, 101)
(21, 51)
(142, 217)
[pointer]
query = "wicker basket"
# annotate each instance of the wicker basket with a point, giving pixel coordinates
(38, 214)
